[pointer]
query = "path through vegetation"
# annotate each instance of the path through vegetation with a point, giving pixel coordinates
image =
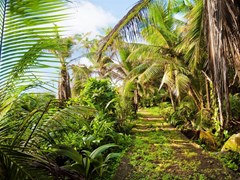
(159, 151)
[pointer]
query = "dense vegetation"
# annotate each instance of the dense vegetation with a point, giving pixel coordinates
(178, 55)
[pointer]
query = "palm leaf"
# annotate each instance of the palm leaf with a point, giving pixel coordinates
(100, 149)
(129, 25)
(152, 71)
(26, 27)
(140, 17)
(19, 165)
(167, 78)
(182, 84)
(25, 30)
(69, 152)
(193, 41)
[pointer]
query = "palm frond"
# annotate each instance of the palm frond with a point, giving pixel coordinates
(80, 75)
(129, 25)
(26, 27)
(128, 88)
(19, 165)
(151, 72)
(143, 15)
(25, 31)
(58, 121)
(167, 78)
(182, 83)
(193, 41)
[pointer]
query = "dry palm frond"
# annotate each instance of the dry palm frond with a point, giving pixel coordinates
(222, 27)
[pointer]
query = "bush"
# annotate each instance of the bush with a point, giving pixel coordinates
(100, 95)
(184, 115)
(235, 104)
(166, 109)
(231, 160)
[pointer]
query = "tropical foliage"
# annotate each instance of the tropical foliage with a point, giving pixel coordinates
(179, 55)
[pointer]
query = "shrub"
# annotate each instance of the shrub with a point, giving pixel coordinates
(231, 160)
(184, 115)
(100, 95)
(235, 104)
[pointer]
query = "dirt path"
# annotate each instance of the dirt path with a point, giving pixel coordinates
(159, 151)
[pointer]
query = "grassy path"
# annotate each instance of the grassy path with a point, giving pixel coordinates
(159, 151)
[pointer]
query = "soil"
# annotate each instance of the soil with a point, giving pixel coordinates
(168, 154)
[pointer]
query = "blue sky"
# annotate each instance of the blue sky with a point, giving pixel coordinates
(94, 15)
(116, 7)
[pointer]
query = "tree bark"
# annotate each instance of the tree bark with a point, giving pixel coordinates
(217, 58)
(207, 93)
(172, 100)
(64, 89)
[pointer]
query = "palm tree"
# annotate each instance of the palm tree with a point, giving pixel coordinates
(62, 53)
(158, 57)
(218, 19)
(99, 66)
(81, 73)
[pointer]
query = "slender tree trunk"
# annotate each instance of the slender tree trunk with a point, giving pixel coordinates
(207, 93)
(135, 101)
(64, 89)
(196, 99)
(172, 100)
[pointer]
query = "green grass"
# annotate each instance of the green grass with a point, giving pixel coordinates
(159, 151)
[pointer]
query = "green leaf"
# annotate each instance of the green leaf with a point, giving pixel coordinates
(112, 155)
(69, 152)
(100, 149)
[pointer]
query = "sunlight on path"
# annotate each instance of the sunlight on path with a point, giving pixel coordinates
(159, 151)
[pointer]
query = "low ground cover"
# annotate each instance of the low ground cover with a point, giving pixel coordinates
(159, 151)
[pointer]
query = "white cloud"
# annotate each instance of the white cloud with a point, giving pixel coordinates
(87, 17)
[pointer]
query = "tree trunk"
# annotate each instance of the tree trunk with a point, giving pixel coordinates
(196, 98)
(135, 101)
(172, 100)
(217, 58)
(207, 93)
(64, 89)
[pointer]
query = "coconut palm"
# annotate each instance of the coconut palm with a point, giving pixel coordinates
(158, 57)
(222, 31)
(81, 73)
(219, 21)
(62, 53)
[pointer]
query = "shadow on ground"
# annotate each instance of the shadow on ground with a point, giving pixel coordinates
(159, 151)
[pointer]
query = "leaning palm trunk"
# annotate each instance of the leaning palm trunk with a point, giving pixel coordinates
(222, 29)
